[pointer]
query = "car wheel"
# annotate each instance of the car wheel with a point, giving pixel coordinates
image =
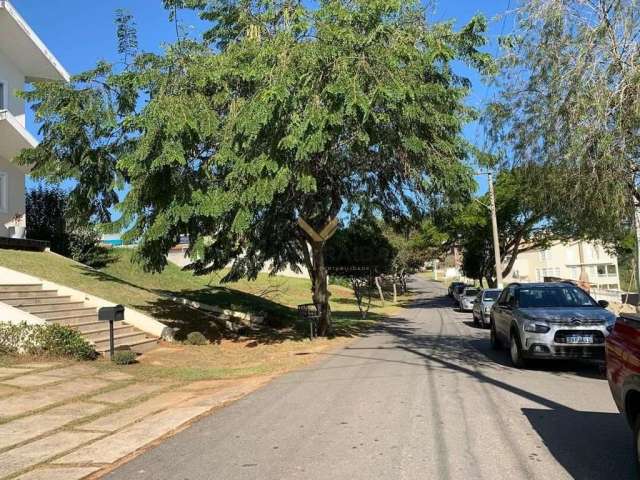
(483, 320)
(475, 318)
(496, 344)
(515, 352)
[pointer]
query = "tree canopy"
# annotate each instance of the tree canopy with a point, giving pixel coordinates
(568, 100)
(281, 112)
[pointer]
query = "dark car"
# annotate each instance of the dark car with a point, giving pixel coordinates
(623, 372)
(452, 286)
(549, 320)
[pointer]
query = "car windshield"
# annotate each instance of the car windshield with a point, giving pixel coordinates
(471, 292)
(560, 296)
(491, 296)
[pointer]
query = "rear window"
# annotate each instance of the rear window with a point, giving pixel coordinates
(554, 297)
(491, 295)
(471, 292)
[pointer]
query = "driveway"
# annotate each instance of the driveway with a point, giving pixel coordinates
(421, 397)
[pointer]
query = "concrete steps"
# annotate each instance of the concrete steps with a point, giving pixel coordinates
(61, 310)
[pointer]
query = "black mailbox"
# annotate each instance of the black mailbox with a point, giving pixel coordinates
(111, 314)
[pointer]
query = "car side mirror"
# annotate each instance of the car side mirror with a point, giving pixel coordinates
(603, 303)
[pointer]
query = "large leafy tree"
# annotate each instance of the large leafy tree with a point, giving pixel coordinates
(568, 99)
(281, 112)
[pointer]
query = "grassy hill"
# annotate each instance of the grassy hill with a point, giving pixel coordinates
(122, 281)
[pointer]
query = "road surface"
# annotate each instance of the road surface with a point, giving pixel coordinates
(421, 397)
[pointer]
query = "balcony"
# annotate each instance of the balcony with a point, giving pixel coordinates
(14, 137)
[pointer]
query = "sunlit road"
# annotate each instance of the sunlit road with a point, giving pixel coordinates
(423, 397)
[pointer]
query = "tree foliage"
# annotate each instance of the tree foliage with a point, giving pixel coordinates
(48, 219)
(569, 100)
(281, 112)
(523, 224)
(361, 253)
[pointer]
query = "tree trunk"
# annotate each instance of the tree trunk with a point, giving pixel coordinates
(379, 286)
(320, 289)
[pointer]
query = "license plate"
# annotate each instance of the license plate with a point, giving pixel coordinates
(573, 339)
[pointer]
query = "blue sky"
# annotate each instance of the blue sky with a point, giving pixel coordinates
(80, 33)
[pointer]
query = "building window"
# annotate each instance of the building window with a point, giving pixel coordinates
(543, 273)
(4, 192)
(544, 255)
(607, 271)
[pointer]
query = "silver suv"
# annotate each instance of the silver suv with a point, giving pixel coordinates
(549, 320)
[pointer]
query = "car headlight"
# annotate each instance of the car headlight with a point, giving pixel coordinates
(534, 327)
(610, 325)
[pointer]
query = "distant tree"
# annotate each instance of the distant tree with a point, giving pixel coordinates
(360, 253)
(48, 220)
(283, 111)
(416, 245)
(523, 225)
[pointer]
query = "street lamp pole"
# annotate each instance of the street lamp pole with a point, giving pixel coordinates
(494, 224)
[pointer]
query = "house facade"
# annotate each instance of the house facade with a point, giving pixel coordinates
(23, 59)
(585, 261)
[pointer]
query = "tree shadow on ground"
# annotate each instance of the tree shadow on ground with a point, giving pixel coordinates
(588, 445)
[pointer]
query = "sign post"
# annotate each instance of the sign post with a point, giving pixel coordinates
(111, 314)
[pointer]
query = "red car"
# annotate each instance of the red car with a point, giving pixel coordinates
(623, 372)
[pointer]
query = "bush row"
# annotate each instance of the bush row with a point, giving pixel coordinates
(48, 339)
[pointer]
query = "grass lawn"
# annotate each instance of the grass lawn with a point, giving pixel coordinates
(266, 351)
(124, 282)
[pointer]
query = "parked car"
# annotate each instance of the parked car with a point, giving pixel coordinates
(482, 306)
(623, 372)
(457, 291)
(452, 286)
(467, 297)
(549, 320)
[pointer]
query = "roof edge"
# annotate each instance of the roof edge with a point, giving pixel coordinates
(22, 23)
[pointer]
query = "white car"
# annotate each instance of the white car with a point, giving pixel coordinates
(467, 298)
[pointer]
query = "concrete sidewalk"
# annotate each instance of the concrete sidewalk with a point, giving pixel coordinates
(70, 422)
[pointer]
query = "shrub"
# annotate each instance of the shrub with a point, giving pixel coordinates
(48, 339)
(124, 357)
(196, 338)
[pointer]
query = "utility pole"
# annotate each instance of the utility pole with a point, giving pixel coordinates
(494, 223)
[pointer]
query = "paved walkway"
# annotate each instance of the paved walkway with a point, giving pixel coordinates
(424, 397)
(62, 422)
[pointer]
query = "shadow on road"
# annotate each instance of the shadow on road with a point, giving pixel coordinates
(589, 445)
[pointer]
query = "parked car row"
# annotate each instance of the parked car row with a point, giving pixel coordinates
(555, 320)
(559, 320)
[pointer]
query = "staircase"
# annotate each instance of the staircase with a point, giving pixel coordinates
(61, 310)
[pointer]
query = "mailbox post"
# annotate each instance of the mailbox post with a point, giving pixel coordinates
(111, 314)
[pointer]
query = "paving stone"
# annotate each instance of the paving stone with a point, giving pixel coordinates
(129, 392)
(127, 416)
(31, 380)
(38, 365)
(130, 439)
(6, 372)
(74, 473)
(21, 458)
(26, 428)
(72, 371)
(114, 376)
(22, 403)
(206, 385)
(6, 390)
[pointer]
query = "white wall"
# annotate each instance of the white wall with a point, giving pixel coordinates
(16, 196)
(14, 81)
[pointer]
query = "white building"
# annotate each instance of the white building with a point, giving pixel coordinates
(568, 261)
(23, 59)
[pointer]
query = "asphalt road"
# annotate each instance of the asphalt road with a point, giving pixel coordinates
(423, 397)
